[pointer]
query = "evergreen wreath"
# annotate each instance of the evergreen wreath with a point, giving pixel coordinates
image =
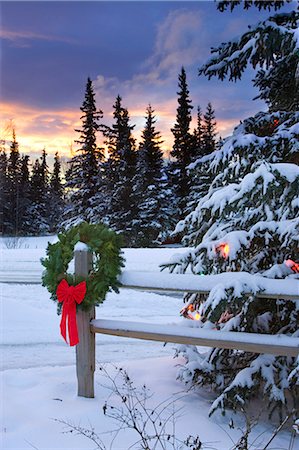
(105, 245)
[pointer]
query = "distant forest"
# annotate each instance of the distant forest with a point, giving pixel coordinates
(134, 190)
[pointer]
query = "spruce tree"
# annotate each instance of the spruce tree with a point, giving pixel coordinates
(119, 173)
(83, 178)
(248, 221)
(209, 131)
(4, 192)
(183, 148)
(44, 171)
(39, 197)
(153, 218)
(56, 195)
(13, 177)
(25, 196)
(198, 135)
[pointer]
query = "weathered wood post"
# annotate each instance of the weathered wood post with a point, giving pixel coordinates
(85, 350)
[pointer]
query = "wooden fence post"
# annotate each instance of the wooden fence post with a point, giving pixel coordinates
(85, 350)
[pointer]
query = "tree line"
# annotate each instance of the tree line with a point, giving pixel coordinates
(134, 190)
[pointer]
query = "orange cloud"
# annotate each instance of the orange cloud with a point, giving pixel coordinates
(54, 130)
(38, 128)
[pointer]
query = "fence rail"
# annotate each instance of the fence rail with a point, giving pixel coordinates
(169, 282)
(249, 342)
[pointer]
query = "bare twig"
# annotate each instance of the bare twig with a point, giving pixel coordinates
(293, 412)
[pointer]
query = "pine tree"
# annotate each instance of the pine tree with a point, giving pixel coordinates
(247, 221)
(56, 195)
(200, 176)
(4, 191)
(39, 197)
(119, 173)
(13, 177)
(83, 176)
(198, 135)
(153, 218)
(44, 171)
(183, 148)
(25, 196)
(209, 131)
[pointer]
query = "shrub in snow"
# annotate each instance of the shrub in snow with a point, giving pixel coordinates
(248, 221)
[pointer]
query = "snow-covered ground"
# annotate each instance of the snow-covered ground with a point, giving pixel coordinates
(38, 377)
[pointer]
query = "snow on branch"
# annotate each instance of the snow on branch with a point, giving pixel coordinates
(261, 46)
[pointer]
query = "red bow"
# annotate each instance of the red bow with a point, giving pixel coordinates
(70, 295)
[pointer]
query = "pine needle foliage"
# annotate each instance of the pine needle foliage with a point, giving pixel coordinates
(272, 46)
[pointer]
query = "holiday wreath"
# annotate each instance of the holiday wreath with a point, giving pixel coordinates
(105, 246)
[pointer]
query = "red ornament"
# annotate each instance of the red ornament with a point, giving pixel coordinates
(223, 249)
(292, 265)
(275, 122)
(187, 312)
(69, 296)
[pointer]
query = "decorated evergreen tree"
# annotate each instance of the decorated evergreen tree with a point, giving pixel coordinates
(119, 173)
(153, 218)
(248, 222)
(83, 179)
(56, 195)
(184, 145)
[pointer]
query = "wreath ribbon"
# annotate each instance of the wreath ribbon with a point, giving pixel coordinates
(69, 296)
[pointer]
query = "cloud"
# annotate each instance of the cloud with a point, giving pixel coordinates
(21, 38)
(37, 128)
(179, 41)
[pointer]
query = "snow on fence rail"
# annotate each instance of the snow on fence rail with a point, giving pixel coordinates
(253, 342)
(265, 287)
(169, 282)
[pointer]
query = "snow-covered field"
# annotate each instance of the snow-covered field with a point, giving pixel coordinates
(38, 377)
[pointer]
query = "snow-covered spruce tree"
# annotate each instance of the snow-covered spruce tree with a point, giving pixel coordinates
(24, 207)
(83, 178)
(183, 147)
(205, 135)
(39, 210)
(13, 180)
(119, 173)
(3, 192)
(56, 191)
(151, 192)
(209, 130)
(198, 134)
(248, 221)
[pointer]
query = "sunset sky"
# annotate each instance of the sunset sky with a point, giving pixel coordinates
(134, 49)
